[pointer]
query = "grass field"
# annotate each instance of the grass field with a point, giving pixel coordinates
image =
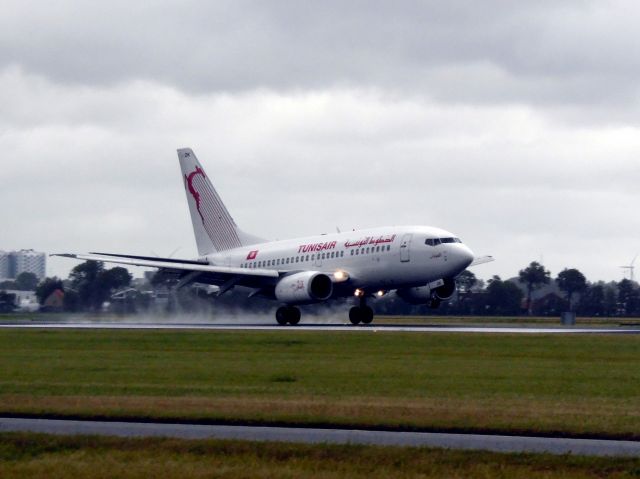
(576, 385)
(30, 455)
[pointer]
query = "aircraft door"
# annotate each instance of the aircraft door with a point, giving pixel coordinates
(404, 248)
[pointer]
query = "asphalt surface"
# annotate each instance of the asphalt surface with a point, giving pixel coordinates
(588, 447)
(320, 327)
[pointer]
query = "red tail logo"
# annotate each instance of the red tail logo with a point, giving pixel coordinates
(252, 254)
(196, 196)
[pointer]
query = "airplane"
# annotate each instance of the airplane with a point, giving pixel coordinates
(418, 263)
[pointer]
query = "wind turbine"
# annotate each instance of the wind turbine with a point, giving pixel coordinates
(631, 267)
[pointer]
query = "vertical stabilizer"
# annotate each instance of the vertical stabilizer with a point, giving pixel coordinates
(213, 226)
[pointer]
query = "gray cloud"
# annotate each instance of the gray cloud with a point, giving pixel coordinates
(576, 52)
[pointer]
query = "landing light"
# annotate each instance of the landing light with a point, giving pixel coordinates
(358, 292)
(380, 294)
(340, 276)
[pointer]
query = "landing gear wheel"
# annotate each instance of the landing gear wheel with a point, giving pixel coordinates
(355, 315)
(281, 315)
(294, 315)
(288, 314)
(366, 315)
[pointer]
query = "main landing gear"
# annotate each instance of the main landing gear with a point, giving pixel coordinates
(361, 314)
(358, 314)
(288, 315)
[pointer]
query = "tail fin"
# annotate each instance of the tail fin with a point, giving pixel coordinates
(213, 226)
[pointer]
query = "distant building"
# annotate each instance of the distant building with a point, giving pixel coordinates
(54, 302)
(5, 265)
(24, 261)
(25, 300)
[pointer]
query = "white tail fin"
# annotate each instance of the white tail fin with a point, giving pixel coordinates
(213, 226)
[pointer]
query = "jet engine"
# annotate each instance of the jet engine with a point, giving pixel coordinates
(446, 290)
(440, 290)
(304, 287)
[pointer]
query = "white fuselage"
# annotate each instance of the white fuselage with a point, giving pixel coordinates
(378, 258)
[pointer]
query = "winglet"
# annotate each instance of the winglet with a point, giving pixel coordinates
(482, 260)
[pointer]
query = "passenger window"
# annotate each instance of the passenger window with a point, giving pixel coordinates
(362, 251)
(388, 247)
(357, 251)
(351, 252)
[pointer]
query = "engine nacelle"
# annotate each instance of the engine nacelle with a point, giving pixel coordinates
(305, 287)
(417, 295)
(442, 289)
(447, 289)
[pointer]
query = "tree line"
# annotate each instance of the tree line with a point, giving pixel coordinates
(532, 292)
(526, 294)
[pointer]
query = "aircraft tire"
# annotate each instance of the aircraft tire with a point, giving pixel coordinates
(355, 315)
(366, 315)
(293, 315)
(281, 315)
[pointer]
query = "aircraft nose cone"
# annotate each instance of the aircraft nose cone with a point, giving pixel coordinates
(465, 256)
(470, 256)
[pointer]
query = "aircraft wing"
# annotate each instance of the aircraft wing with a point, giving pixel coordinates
(481, 260)
(177, 265)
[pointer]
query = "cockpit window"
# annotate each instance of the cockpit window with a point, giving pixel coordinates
(437, 241)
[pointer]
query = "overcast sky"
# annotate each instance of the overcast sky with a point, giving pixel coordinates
(515, 125)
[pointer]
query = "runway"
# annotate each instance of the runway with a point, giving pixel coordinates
(373, 328)
(512, 444)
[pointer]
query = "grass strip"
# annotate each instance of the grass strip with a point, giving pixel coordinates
(572, 385)
(35, 455)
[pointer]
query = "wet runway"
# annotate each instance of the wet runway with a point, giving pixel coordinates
(589, 447)
(235, 326)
